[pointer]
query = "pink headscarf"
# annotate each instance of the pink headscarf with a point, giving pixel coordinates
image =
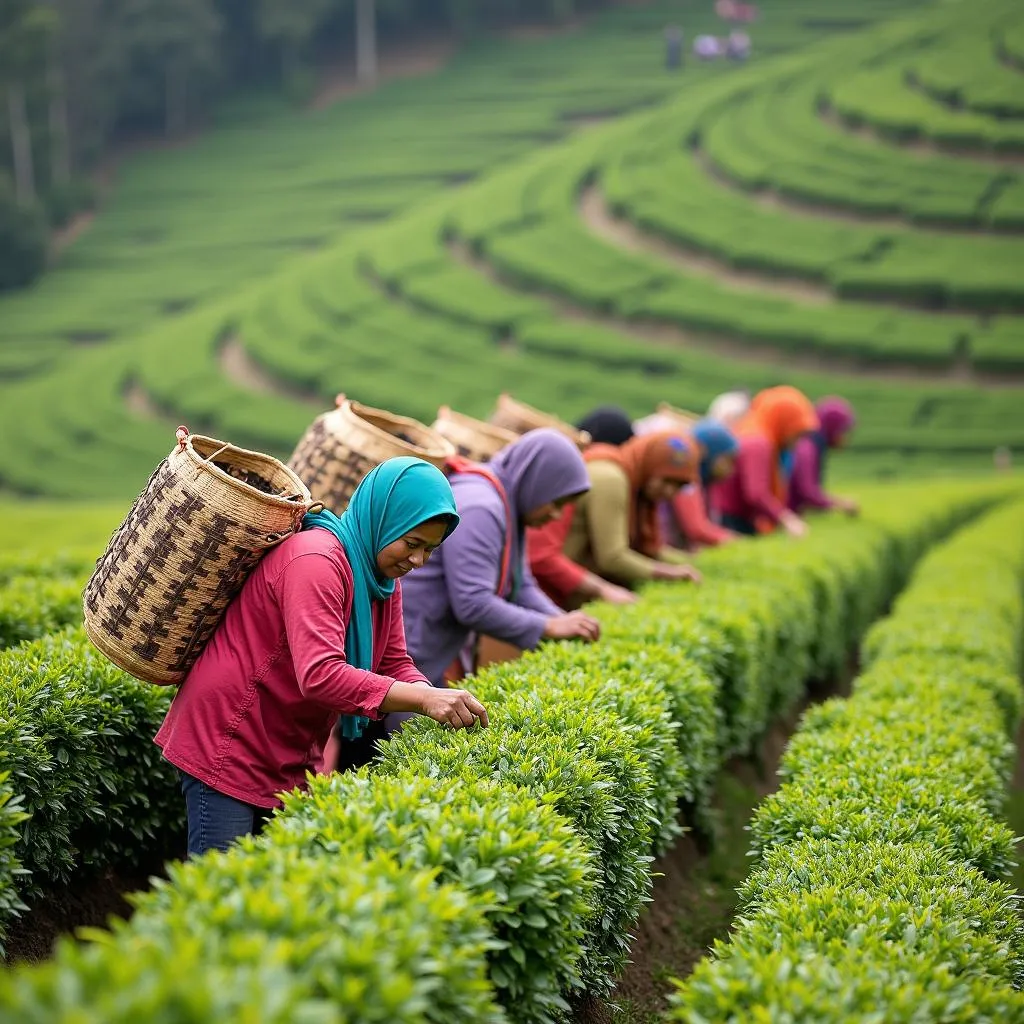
(837, 418)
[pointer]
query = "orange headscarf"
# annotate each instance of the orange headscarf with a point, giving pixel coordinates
(666, 454)
(781, 415)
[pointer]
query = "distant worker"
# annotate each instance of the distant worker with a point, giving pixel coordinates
(737, 46)
(707, 47)
(729, 407)
(733, 11)
(806, 484)
(687, 518)
(613, 531)
(753, 500)
(673, 47)
(607, 425)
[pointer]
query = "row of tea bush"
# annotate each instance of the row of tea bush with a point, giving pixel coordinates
(489, 875)
(878, 883)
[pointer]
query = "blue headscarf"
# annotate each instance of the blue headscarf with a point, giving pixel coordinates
(392, 499)
(716, 439)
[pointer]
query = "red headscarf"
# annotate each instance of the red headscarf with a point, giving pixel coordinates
(666, 455)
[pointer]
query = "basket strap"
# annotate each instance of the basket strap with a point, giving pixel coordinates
(455, 465)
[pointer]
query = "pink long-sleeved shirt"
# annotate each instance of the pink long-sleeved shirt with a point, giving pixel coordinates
(253, 715)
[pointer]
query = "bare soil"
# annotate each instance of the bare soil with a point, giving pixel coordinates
(923, 146)
(240, 368)
(628, 236)
(88, 902)
(140, 403)
(770, 199)
(1015, 810)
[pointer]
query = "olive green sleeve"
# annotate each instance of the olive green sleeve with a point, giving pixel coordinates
(608, 524)
(675, 556)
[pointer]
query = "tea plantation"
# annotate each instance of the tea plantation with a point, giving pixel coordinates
(566, 220)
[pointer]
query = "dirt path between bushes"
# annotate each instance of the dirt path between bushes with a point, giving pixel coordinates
(695, 896)
(670, 335)
(771, 199)
(242, 370)
(626, 235)
(922, 146)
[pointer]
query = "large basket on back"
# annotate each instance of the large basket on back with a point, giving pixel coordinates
(521, 418)
(683, 418)
(206, 517)
(666, 417)
(343, 445)
(473, 439)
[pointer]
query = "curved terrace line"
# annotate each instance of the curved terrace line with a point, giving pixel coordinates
(670, 335)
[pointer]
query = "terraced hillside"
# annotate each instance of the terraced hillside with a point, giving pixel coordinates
(750, 227)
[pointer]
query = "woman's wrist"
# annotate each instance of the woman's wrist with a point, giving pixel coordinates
(406, 697)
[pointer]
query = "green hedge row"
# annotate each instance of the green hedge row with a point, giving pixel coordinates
(663, 188)
(878, 883)
(76, 747)
(489, 875)
(32, 606)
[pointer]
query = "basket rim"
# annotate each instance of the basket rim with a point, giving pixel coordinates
(446, 412)
(305, 498)
(447, 449)
(581, 438)
(667, 409)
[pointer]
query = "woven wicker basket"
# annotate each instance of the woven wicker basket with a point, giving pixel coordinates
(683, 417)
(343, 445)
(472, 438)
(206, 517)
(520, 418)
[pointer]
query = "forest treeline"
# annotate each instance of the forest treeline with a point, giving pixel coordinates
(78, 77)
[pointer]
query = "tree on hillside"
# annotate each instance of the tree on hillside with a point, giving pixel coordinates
(366, 40)
(172, 50)
(25, 28)
(23, 239)
(291, 27)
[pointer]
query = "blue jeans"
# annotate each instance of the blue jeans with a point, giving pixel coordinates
(215, 821)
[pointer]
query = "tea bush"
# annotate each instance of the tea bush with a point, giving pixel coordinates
(881, 852)
(581, 761)
(31, 607)
(350, 939)
(519, 860)
(76, 746)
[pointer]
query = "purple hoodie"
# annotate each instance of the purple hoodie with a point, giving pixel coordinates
(453, 595)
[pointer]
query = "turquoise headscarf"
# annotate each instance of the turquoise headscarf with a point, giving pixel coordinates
(392, 499)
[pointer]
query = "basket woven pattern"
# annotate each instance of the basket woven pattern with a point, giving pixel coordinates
(473, 439)
(520, 418)
(342, 446)
(184, 551)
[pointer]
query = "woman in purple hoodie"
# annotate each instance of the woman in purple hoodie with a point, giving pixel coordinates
(806, 482)
(479, 583)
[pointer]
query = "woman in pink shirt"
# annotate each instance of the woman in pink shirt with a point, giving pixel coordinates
(806, 483)
(316, 633)
(753, 499)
